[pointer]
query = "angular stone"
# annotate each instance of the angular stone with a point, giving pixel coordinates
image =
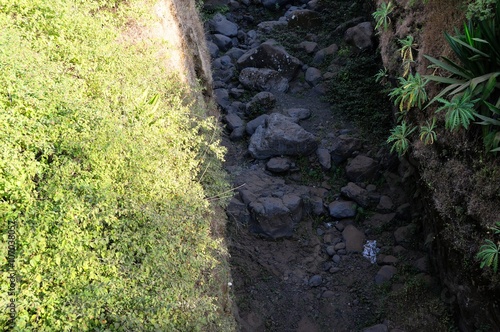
(354, 239)
(271, 56)
(308, 46)
(324, 158)
(385, 274)
(313, 76)
(253, 124)
(342, 209)
(404, 234)
(233, 121)
(315, 280)
(377, 328)
(220, 24)
(380, 221)
(361, 169)
(263, 79)
(235, 53)
(360, 36)
(321, 55)
(343, 147)
(317, 207)
(268, 26)
(299, 113)
(237, 211)
(222, 98)
(261, 103)
(224, 43)
(212, 49)
(281, 136)
(356, 193)
(385, 204)
(303, 18)
(237, 134)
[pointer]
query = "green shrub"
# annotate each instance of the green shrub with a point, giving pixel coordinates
(400, 138)
(410, 92)
(488, 254)
(427, 133)
(381, 15)
(100, 167)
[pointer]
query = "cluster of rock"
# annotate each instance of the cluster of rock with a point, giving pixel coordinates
(264, 200)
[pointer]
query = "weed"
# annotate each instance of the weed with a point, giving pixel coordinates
(381, 16)
(400, 138)
(488, 254)
(427, 133)
(410, 92)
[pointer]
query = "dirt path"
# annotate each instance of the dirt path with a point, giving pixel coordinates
(311, 281)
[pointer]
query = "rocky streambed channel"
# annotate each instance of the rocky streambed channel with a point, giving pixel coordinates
(323, 227)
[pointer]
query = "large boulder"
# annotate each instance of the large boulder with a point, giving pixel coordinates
(220, 24)
(360, 36)
(272, 56)
(263, 79)
(361, 168)
(280, 135)
(276, 217)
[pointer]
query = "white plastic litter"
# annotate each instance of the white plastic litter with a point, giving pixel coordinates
(370, 251)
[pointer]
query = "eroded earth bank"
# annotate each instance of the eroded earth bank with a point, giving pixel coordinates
(323, 230)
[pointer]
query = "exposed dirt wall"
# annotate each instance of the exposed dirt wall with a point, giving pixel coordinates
(460, 185)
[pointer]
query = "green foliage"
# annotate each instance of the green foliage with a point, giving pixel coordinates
(406, 52)
(459, 111)
(381, 75)
(427, 133)
(476, 73)
(381, 16)
(400, 138)
(481, 9)
(410, 92)
(101, 158)
(488, 254)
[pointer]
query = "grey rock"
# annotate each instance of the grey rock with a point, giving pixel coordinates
(328, 294)
(236, 93)
(268, 26)
(308, 46)
(233, 121)
(422, 264)
(237, 211)
(324, 158)
(321, 55)
(316, 205)
(213, 49)
(380, 221)
(343, 147)
(315, 280)
(273, 4)
(261, 103)
(385, 204)
(299, 113)
(281, 136)
(303, 18)
(313, 76)
(235, 53)
(253, 124)
(360, 36)
(271, 56)
(385, 274)
(356, 193)
(342, 209)
(275, 217)
(263, 79)
(336, 259)
(221, 25)
(377, 328)
(361, 168)
(330, 250)
(404, 234)
(224, 43)
(222, 62)
(390, 260)
(237, 134)
(339, 246)
(222, 98)
(354, 239)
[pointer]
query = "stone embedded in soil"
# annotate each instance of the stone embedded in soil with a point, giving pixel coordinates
(360, 36)
(390, 260)
(222, 98)
(278, 164)
(317, 205)
(281, 136)
(330, 250)
(271, 56)
(385, 274)
(233, 121)
(237, 211)
(308, 46)
(354, 239)
(315, 280)
(336, 259)
(268, 26)
(385, 204)
(380, 221)
(324, 158)
(403, 235)
(321, 55)
(313, 76)
(356, 193)
(342, 209)
(377, 328)
(328, 294)
(261, 103)
(263, 79)
(299, 113)
(303, 18)
(361, 168)
(224, 43)
(237, 134)
(343, 147)
(220, 24)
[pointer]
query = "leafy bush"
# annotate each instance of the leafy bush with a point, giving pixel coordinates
(100, 168)
(406, 51)
(427, 133)
(488, 254)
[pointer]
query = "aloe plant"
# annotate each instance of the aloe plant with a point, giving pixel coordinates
(381, 15)
(400, 138)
